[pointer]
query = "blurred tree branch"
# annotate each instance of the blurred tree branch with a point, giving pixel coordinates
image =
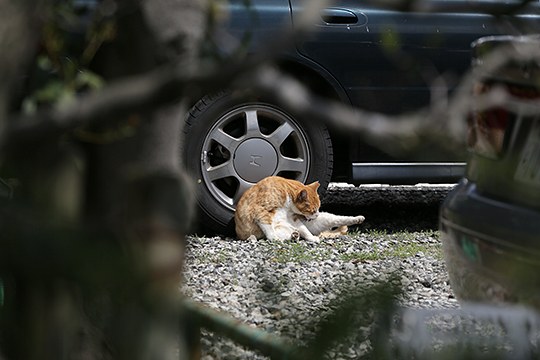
(443, 120)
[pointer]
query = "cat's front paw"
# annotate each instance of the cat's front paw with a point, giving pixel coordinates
(360, 219)
(313, 239)
(295, 235)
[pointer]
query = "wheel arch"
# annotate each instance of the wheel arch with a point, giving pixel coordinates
(322, 84)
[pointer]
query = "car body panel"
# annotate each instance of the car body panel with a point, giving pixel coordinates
(388, 60)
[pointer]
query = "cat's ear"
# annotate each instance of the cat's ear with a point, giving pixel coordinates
(315, 185)
(301, 196)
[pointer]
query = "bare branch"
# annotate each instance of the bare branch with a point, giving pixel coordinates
(443, 120)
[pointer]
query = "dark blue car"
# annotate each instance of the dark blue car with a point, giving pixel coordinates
(367, 56)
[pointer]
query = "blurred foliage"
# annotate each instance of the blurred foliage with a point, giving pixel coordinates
(390, 41)
(216, 14)
(70, 39)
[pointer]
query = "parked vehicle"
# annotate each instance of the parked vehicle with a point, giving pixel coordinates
(366, 56)
(490, 223)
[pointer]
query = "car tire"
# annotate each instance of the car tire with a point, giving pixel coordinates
(232, 141)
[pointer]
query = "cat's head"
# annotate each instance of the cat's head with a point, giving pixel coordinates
(307, 201)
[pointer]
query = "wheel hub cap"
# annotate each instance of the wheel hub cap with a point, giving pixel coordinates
(255, 159)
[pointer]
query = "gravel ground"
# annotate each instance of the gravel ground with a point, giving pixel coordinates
(282, 287)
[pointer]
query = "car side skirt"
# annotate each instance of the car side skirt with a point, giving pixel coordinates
(407, 173)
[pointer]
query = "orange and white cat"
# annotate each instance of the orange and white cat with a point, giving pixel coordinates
(282, 209)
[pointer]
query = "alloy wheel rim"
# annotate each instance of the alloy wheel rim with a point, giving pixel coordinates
(248, 144)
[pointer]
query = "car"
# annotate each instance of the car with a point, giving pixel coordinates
(490, 222)
(358, 53)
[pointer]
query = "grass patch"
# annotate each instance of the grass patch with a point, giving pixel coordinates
(289, 251)
(408, 250)
(214, 257)
(371, 233)
(382, 245)
(401, 251)
(405, 245)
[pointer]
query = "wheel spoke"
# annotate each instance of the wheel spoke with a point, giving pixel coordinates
(252, 123)
(278, 137)
(243, 186)
(290, 164)
(225, 139)
(221, 171)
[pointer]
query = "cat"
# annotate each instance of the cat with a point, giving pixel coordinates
(282, 209)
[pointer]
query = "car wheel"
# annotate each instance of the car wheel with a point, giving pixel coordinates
(230, 143)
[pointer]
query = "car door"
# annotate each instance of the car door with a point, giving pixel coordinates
(387, 60)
